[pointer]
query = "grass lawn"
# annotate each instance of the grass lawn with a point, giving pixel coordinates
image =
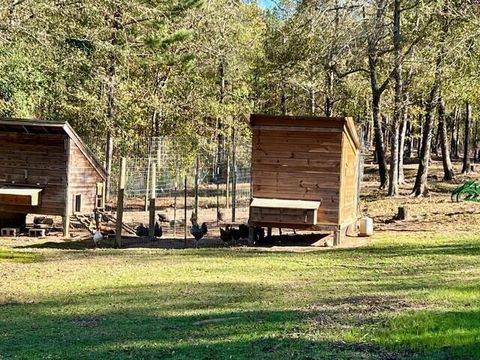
(408, 296)
(412, 293)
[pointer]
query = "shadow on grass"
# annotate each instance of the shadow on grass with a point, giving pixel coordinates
(166, 243)
(214, 321)
(470, 248)
(292, 240)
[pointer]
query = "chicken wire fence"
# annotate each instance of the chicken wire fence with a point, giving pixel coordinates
(215, 190)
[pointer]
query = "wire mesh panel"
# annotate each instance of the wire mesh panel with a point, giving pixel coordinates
(214, 196)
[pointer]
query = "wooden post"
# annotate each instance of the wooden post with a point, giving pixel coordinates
(153, 195)
(251, 235)
(120, 196)
(185, 212)
(68, 207)
(338, 236)
(218, 197)
(175, 209)
(227, 183)
(197, 166)
(234, 177)
(147, 184)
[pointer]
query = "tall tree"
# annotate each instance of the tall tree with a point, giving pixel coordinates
(375, 36)
(448, 173)
(398, 106)
(466, 139)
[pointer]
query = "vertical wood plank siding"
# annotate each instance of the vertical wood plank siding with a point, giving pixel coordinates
(83, 180)
(304, 158)
(43, 159)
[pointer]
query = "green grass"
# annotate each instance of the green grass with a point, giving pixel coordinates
(403, 297)
(17, 256)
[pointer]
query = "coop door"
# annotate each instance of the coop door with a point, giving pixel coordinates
(77, 204)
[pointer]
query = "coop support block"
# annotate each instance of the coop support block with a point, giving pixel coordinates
(10, 232)
(36, 232)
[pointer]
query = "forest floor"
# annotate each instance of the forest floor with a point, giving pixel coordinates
(410, 292)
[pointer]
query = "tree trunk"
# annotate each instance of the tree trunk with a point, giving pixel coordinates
(420, 187)
(379, 147)
(466, 143)
(328, 97)
(377, 89)
(393, 187)
(221, 170)
(110, 125)
(108, 164)
(442, 130)
(419, 140)
(409, 140)
(475, 142)
(457, 136)
(401, 150)
(111, 99)
(283, 98)
(312, 102)
(454, 134)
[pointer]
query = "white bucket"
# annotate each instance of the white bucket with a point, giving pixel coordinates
(365, 226)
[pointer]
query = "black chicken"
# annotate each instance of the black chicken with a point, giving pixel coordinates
(226, 234)
(158, 230)
(141, 230)
(243, 231)
(163, 218)
(198, 231)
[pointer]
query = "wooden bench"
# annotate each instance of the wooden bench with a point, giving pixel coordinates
(10, 232)
(36, 232)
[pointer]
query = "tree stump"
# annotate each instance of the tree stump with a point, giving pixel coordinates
(402, 213)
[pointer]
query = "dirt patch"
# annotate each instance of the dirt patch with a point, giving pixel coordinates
(356, 311)
(370, 351)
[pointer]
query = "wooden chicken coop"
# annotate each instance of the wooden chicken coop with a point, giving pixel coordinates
(305, 173)
(46, 169)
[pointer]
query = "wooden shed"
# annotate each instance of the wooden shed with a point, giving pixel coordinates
(305, 173)
(46, 169)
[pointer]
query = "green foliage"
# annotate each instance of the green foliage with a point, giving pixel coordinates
(160, 63)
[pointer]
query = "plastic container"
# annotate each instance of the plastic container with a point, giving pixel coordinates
(365, 226)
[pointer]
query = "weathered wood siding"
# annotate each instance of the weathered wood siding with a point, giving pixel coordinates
(348, 210)
(83, 179)
(299, 164)
(42, 157)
